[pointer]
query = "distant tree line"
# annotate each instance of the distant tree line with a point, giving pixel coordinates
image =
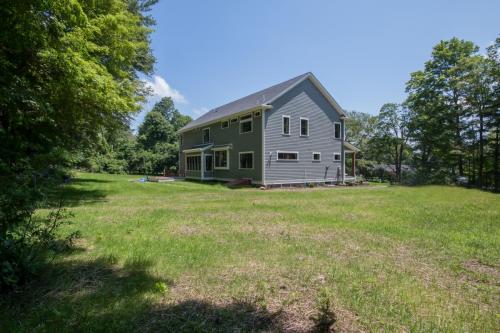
(153, 150)
(448, 127)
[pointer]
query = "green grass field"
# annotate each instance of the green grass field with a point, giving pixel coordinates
(191, 257)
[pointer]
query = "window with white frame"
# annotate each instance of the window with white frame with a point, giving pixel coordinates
(316, 157)
(246, 160)
(304, 127)
(221, 159)
(224, 124)
(287, 155)
(285, 127)
(336, 156)
(337, 131)
(193, 163)
(246, 124)
(206, 135)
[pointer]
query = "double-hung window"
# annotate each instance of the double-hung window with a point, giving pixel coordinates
(206, 135)
(285, 127)
(246, 124)
(221, 159)
(304, 127)
(337, 131)
(246, 160)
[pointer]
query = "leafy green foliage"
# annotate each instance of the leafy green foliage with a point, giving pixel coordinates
(69, 72)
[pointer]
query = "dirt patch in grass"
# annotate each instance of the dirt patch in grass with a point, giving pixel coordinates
(491, 272)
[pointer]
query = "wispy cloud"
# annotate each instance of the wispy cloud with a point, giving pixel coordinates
(199, 111)
(161, 88)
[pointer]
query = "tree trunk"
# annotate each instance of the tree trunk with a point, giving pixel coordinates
(481, 151)
(496, 166)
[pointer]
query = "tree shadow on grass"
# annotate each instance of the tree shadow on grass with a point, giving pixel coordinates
(101, 296)
(72, 196)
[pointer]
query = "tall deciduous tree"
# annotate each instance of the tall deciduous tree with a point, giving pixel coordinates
(392, 134)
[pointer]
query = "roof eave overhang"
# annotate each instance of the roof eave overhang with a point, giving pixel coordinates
(258, 107)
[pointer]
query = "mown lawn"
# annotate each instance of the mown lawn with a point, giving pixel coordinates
(190, 257)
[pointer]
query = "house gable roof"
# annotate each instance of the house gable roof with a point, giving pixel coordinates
(259, 99)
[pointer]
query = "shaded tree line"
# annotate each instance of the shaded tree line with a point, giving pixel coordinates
(153, 150)
(448, 127)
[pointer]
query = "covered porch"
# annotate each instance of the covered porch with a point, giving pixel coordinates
(350, 152)
(198, 162)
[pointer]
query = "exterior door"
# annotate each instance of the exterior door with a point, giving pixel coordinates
(208, 165)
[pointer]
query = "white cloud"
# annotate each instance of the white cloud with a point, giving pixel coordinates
(199, 111)
(161, 88)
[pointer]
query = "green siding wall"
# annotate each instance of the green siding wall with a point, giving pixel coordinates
(240, 143)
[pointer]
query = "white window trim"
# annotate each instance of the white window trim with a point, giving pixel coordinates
(283, 125)
(203, 135)
(227, 158)
(335, 133)
(314, 153)
(222, 127)
(287, 152)
(239, 160)
(246, 121)
(339, 155)
(300, 126)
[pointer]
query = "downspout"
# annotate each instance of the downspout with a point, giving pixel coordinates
(342, 154)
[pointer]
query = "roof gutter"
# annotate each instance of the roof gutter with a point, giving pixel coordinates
(262, 107)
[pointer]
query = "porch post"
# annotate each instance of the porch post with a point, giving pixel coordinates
(354, 164)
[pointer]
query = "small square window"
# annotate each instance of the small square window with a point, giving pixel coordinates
(234, 120)
(224, 124)
(336, 156)
(317, 157)
(257, 114)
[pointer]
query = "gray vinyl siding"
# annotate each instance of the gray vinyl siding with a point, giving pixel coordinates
(240, 143)
(306, 101)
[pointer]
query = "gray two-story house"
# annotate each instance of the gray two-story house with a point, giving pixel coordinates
(290, 133)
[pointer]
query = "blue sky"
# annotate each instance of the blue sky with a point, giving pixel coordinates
(212, 52)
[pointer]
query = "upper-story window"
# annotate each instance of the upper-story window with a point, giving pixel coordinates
(206, 135)
(246, 124)
(224, 124)
(286, 125)
(316, 156)
(336, 156)
(304, 127)
(337, 131)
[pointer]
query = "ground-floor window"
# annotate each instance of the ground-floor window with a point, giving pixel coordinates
(193, 163)
(316, 156)
(336, 156)
(246, 160)
(221, 159)
(288, 155)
